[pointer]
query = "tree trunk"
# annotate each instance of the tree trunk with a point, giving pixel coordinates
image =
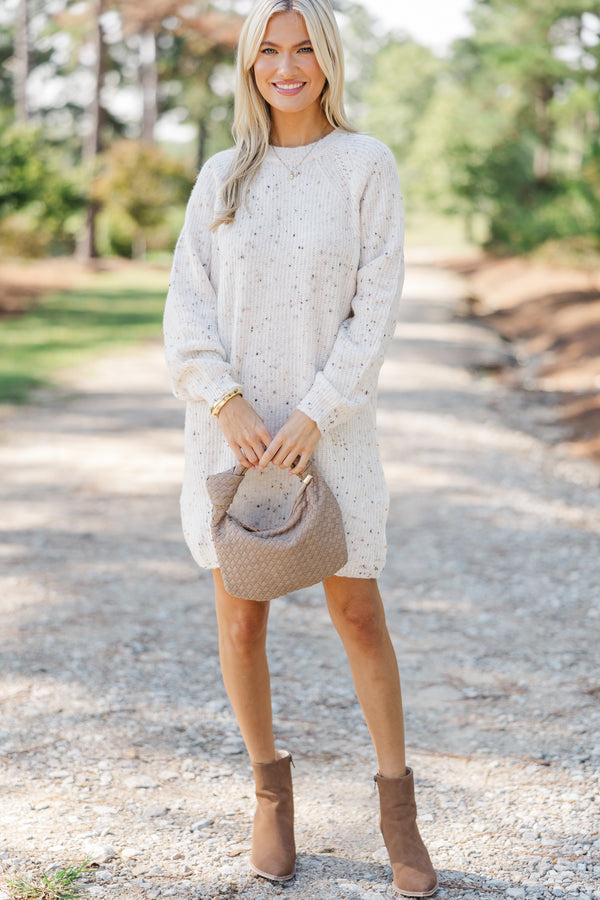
(22, 58)
(202, 138)
(545, 133)
(86, 242)
(149, 80)
(138, 245)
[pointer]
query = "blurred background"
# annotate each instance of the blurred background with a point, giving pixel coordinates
(109, 107)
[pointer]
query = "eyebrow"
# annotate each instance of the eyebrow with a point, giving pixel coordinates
(273, 44)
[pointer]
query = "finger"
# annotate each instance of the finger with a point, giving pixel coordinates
(259, 448)
(264, 436)
(296, 466)
(299, 464)
(284, 457)
(249, 453)
(272, 449)
(303, 462)
(237, 450)
(290, 459)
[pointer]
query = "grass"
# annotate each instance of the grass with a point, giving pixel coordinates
(61, 884)
(67, 328)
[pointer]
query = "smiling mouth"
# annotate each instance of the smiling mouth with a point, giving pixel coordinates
(291, 87)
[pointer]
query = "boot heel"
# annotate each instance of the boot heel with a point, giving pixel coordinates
(414, 875)
(273, 853)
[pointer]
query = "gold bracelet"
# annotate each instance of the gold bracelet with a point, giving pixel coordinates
(216, 409)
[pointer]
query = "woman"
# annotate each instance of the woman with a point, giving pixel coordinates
(284, 291)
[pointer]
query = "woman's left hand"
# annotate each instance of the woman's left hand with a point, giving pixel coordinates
(293, 443)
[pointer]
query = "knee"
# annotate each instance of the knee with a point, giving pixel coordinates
(362, 622)
(246, 630)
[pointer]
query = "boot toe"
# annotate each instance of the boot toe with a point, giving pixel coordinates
(273, 872)
(413, 883)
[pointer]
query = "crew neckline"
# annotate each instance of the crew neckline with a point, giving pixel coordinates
(302, 147)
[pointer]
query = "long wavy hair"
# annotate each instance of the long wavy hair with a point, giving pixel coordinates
(252, 118)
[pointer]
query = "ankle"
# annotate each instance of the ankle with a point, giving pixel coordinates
(393, 772)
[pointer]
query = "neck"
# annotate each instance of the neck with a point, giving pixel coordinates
(294, 130)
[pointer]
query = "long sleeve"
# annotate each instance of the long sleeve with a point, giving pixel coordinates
(349, 377)
(196, 360)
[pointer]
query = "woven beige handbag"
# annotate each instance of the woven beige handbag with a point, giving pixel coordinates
(262, 565)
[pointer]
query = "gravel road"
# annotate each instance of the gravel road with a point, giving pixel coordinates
(116, 739)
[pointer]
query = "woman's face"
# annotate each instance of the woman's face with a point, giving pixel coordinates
(287, 73)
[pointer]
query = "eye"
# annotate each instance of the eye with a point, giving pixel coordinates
(306, 50)
(268, 51)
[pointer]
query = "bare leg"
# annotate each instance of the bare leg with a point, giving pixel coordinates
(357, 613)
(242, 650)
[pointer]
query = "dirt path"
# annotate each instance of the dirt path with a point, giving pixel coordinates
(115, 734)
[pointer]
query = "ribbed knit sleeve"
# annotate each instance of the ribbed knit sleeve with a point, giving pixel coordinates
(349, 377)
(196, 360)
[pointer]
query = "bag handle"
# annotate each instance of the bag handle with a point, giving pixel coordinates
(241, 470)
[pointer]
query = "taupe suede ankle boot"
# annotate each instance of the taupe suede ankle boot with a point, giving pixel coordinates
(414, 876)
(273, 848)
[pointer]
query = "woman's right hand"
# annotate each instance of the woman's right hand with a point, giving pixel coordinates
(244, 431)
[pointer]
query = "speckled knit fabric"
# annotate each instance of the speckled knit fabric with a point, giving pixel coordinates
(294, 303)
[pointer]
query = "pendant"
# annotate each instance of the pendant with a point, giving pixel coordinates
(293, 175)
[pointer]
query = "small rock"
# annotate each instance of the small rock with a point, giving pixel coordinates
(515, 892)
(103, 875)
(239, 849)
(102, 810)
(130, 853)
(141, 782)
(203, 823)
(232, 749)
(381, 856)
(99, 853)
(227, 871)
(4, 896)
(168, 774)
(155, 812)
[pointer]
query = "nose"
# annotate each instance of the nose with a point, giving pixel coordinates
(286, 65)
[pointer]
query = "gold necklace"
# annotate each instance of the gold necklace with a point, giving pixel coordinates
(294, 173)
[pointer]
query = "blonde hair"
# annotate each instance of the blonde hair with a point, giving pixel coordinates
(252, 119)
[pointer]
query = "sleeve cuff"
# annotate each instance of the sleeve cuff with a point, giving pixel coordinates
(197, 388)
(321, 403)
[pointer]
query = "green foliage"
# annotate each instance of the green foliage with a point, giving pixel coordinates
(403, 80)
(31, 182)
(60, 884)
(504, 129)
(138, 185)
(23, 170)
(527, 82)
(6, 79)
(507, 128)
(66, 329)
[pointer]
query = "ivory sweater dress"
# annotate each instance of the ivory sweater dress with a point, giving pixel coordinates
(294, 303)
